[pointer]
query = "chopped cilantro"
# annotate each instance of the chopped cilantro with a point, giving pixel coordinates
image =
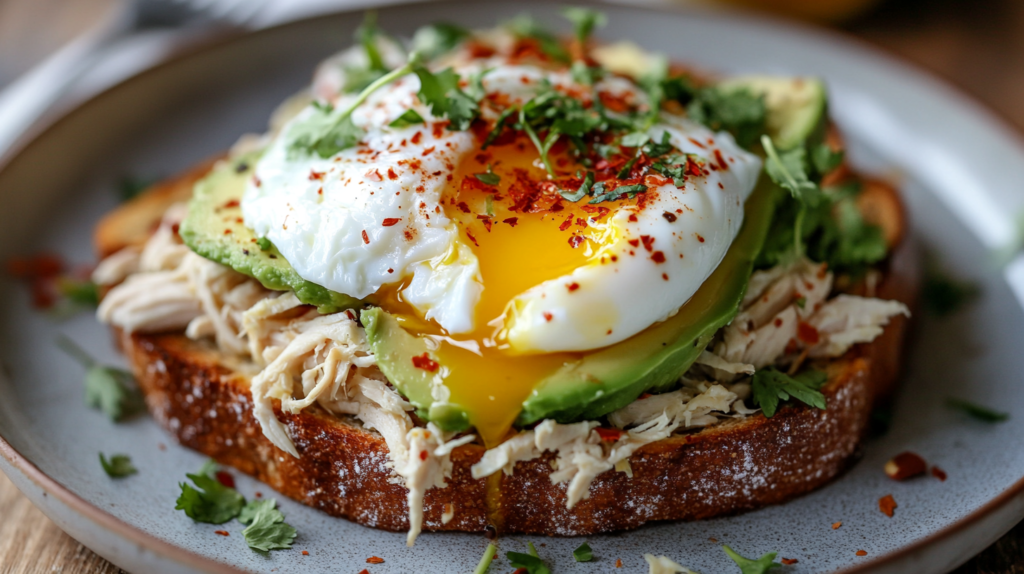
(488, 177)
(583, 553)
(942, 295)
(977, 411)
(657, 149)
(531, 562)
(788, 169)
(409, 118)
(525, 26)
(489, 206)
(771, 385)
(499, 125)
(441, 92)
(438, 38)
(825, 159)
(119, 465)
(583, 191)
(111, 390)
(211, 501)
(266, 529)
(584, 21)
(624, 172)
(264, 244)
(485, 560)
(748, 566)
(635, 139)
(738, 112)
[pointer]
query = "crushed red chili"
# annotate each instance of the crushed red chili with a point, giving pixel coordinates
(658, 257)
(425, 362)
(939, 473)
(225, 478)
(608, 434)
(789, 561)
(389, 221)
(572, 286)
(511, 221)
(887, 504)
(366, 238)
(222, 532)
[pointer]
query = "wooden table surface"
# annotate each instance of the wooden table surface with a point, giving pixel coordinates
(977, 45)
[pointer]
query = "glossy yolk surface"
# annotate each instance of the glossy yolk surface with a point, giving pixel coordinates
(516, 250)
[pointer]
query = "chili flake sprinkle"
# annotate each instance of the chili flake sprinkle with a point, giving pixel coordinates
(939, 473)
(222, 532)
(887, 504)
(425, 362)
(366, 238)
(389, 221)
(789, 561)
(836, 525)
(862, 553)
(374, 560)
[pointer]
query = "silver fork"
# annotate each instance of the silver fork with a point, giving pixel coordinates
(28, 98)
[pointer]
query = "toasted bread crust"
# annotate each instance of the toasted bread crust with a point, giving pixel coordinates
(724, 469)
(202, 398)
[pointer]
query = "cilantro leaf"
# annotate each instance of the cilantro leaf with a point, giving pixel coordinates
(267, 530)
(635, 139)
(264, 244)
(601, 194)
(825, 159)
(943, 295)
(748, 566)
(409, 118)
(583, 553)
(525, 26)
(976, 411)
(499, 126)
(111, 390)
(438, 38)
(366, 34)
(533, 564)
(770, 385)
(119, 465)
(738, 112)
(655, 149)
(584, 21)
(441, 92)
(210, 502)
(583, 191)
(488, 177)
(788, 170)
(485, 560)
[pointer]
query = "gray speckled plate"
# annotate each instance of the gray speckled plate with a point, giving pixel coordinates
(961, 171)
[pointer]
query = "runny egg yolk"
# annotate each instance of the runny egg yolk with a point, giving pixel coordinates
(517, 249)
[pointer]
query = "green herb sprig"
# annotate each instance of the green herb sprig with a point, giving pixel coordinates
(108, 389)
(748, 566)
(118, 466)
(769, 386)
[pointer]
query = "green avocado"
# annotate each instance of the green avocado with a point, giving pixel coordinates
(611, 378)
(395, 348)
(214, 229)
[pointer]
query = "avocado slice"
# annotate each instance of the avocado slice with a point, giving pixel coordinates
(395, 349)
(608, 379)
(214, 229)
(654, 359)
(796, 106)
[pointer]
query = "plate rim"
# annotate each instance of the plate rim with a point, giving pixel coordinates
(221, 38)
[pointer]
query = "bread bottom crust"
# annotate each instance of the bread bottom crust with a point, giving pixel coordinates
(727, 468)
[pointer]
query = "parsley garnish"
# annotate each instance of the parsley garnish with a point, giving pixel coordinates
(748, 566)
(119, 465)
(770, 386)
(584, 21)
(488, 177)
(738, 112)
(211, 502)
(438, 38)
(441, 92)
(111, 390)
(409, 118)
(582, 191)
(532, 562)
(942, 295)
(485, 560)
(977, 411)
(583, 553)
(267, 530)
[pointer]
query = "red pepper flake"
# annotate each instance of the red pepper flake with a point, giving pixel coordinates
(699, 237)
(580, 222)
(230, 204)
(222, 532)
(548, 316)
(939, 473)
(664, 276)
(887, 504)
(608, 434)
(721, 160)
(634, 242)
(469, 234)
(618, 562)
(389, 221)
(259, 494)
(227, 232)
(425, 362)
(428, 151)
(391, 173)
(364, 571)
(696, 143)
(836, 525)
(416, 137)
(905, 465)
(486, 219)
(648, 242)
(693, 167)
(572, 286)
(374, 176)
(366, 238)
(658, 257)
(305, 552)
(789, 561)
(225, 478)
(511, 221)
(462, 207)
(374, 560)
(669, 216)
(520, 571)
(862, 553)
(632, 218)
(315, 175)
(575, 241)
(778, 322)
(807, 333)
(565, 224)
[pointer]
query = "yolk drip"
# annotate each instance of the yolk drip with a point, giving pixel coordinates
(516, 250)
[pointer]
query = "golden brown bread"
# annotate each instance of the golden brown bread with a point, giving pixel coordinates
(203, 400)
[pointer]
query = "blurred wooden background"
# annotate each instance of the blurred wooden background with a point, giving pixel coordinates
(977, 45)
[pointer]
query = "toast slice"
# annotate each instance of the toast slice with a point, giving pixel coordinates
(201, 396)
